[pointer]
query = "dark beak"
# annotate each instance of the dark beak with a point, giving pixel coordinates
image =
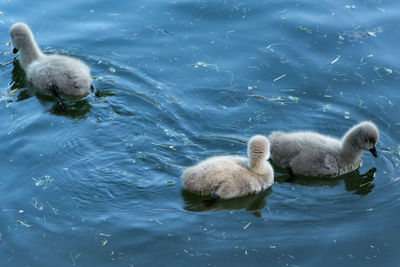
(373, 151)
(15, 50)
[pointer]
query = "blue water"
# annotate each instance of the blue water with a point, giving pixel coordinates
(98, 184)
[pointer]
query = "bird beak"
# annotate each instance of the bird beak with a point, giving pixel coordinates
(373, 151)
(15, 50)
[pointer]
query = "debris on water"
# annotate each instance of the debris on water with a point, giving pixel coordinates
(13, 91)
(164, 146)
(359, 75)
(335, 60)
(278, 78)
(103, 234)
(205, 65)
(111, 69)
(74, 257)
(278, 100)
(157, 221)
(24, 223)
(376, 69)
(269, 210)
(44, 181)
(374, 31)
(53, 209)
(105, 242)
(349, 6)
(304, 29)
(173, 99)
(6, 64)
(21, 211)
(270, 47)
(357, 34)
(389, 71)
(36, 205)
(371, 209)
(164, 32)
(258, 96)
(247, 225)
(396, 179)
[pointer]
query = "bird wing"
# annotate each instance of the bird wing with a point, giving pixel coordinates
(331, 164)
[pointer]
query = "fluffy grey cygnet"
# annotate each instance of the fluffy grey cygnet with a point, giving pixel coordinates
(232, 176)
(54, 73)
(313, 154)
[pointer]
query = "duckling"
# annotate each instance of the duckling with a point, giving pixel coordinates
(232, 176)
(313, 154)
(58, 74)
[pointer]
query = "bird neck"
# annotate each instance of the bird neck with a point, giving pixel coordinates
(257, 164)
(351, 151)
(30, 52)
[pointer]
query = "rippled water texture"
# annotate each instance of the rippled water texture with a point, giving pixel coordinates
(98, 184)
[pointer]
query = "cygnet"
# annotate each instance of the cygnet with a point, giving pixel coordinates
(232, 176)
(58, 74)
(313, 154)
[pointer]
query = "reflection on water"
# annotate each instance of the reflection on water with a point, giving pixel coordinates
(253, 203)
(75, 109)
(360, 184)
(18, 76)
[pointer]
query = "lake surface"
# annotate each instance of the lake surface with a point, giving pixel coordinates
(98, 184)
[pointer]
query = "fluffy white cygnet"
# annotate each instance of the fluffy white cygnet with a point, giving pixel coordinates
(232, 176)
(313, 154)
(53, 73)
